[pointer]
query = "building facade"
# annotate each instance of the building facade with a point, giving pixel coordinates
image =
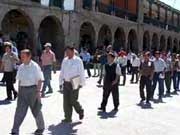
(135, 25)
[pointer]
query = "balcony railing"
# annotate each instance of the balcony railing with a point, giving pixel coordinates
(161, 24)
(113, 10)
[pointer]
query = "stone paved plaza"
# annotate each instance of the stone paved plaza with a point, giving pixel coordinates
(131, 119)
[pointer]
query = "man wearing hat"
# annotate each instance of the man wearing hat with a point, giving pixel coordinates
(111, 82)
(159, 75)
(8, 61)
(48, 63)
(146, 73)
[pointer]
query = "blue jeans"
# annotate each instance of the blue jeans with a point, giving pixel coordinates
(175, 80)
(161, 85)
(47, 77)
(178, 81)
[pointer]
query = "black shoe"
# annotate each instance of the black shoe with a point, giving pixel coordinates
(81, 115)
(99, 82)
(102, 109)
(15, 95)
(66, 121)
(49, 92)
(39, 132)
(14, 133)
(160, 100)
(8, 99)
(115, 109)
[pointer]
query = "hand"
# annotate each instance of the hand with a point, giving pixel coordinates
(60, 87)
(80, 87)
(38, 95)
(54, 71)
(151, 78)
(114, 82)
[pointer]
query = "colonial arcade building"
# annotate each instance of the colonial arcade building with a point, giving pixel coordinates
(134, 25)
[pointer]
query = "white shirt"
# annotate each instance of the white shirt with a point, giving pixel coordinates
(122, 61)
(30, 74)
(71, 68)
(136, 62)
(159, 65)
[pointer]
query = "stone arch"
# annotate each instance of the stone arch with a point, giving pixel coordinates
(119, 39)
(162, 46)
(51, 30)
(146, 41)
(18, 26)
(169, 43)
(104, 36)
(87, 36)
(175, 46)
(155, 42)
(132, 41)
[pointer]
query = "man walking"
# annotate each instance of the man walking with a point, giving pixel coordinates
(159, 68)
(146, 73)
(30, 79)
(48, 63)
(72, 67)
(111, 82)
(8, 61)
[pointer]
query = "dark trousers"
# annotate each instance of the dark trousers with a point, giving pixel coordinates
(107, 89)
(9, 78)
(87, 67)
(175, 80)
(70, 101)
(3, 79)
(47, 78)
(145, 82)
(101, 73)
(178, 81)
(134, 72)
(123, 71)
(168, 82)
(156, 79)
(129, 66)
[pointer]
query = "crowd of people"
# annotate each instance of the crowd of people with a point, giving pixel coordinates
(146, 69)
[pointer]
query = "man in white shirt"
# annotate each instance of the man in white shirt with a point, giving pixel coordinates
(129, 60)
(111, 82)
(72, 66)
(30, 80)
(135, 67)
(159, 75)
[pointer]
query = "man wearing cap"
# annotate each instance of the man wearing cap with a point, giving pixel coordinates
(8, 61)
(146, 73)
(72, 67)
(159, 75)
(111, 82)
(48, 63)
(29, 78)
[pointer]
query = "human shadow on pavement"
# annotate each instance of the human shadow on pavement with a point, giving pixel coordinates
(64, 128)
(4, 102)
(145, 105)
(106, 115)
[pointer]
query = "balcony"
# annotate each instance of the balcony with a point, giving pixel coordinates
(118, 12)
(161, 24)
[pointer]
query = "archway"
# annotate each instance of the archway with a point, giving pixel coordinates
(162, 46)
(146, 41)
(119, 40)
(132, 41)
(87, 36)
(169, 44)
(51, 31)
(18, 27)
(175, 46)
(155, 40)
(104, 36)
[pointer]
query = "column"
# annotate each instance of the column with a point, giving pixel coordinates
(166, 16)
(140, 11)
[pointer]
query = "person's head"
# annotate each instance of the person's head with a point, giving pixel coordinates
(146, 56)
(110, 57)
(164, 56)
(157, 54)
(48, 46)
(8, 47)
(70, 52)
(26, 56)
